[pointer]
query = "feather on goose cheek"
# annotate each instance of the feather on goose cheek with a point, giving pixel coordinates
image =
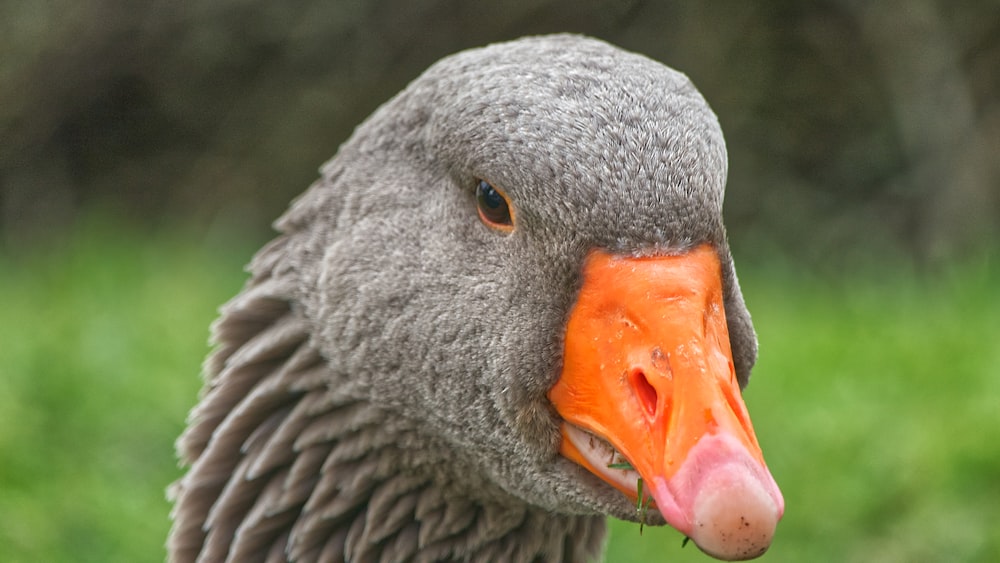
(380, 389)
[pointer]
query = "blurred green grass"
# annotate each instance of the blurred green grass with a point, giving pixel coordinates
(876, 400)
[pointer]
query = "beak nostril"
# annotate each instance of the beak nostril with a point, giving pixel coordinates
(644, 391)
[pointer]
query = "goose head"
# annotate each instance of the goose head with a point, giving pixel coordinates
(522, 255)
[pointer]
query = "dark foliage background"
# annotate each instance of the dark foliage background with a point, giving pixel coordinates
(855, 128)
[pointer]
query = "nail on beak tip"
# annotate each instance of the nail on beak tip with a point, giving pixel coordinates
(728, 501)
(734, 517)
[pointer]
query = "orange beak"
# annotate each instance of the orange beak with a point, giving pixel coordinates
(648, 384)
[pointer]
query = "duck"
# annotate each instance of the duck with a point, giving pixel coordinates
(505, 311)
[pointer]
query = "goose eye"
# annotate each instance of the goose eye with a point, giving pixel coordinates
(494, 209)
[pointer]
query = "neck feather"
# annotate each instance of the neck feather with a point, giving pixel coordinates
(289, 462)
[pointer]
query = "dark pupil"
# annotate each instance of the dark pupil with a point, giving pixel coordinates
(492, 205)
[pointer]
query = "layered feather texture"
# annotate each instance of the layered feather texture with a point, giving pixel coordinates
(288, 464)
(378, 388)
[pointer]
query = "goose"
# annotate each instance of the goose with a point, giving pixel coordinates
(506, 310)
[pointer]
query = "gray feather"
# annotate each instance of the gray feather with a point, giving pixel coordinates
(377, 390)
